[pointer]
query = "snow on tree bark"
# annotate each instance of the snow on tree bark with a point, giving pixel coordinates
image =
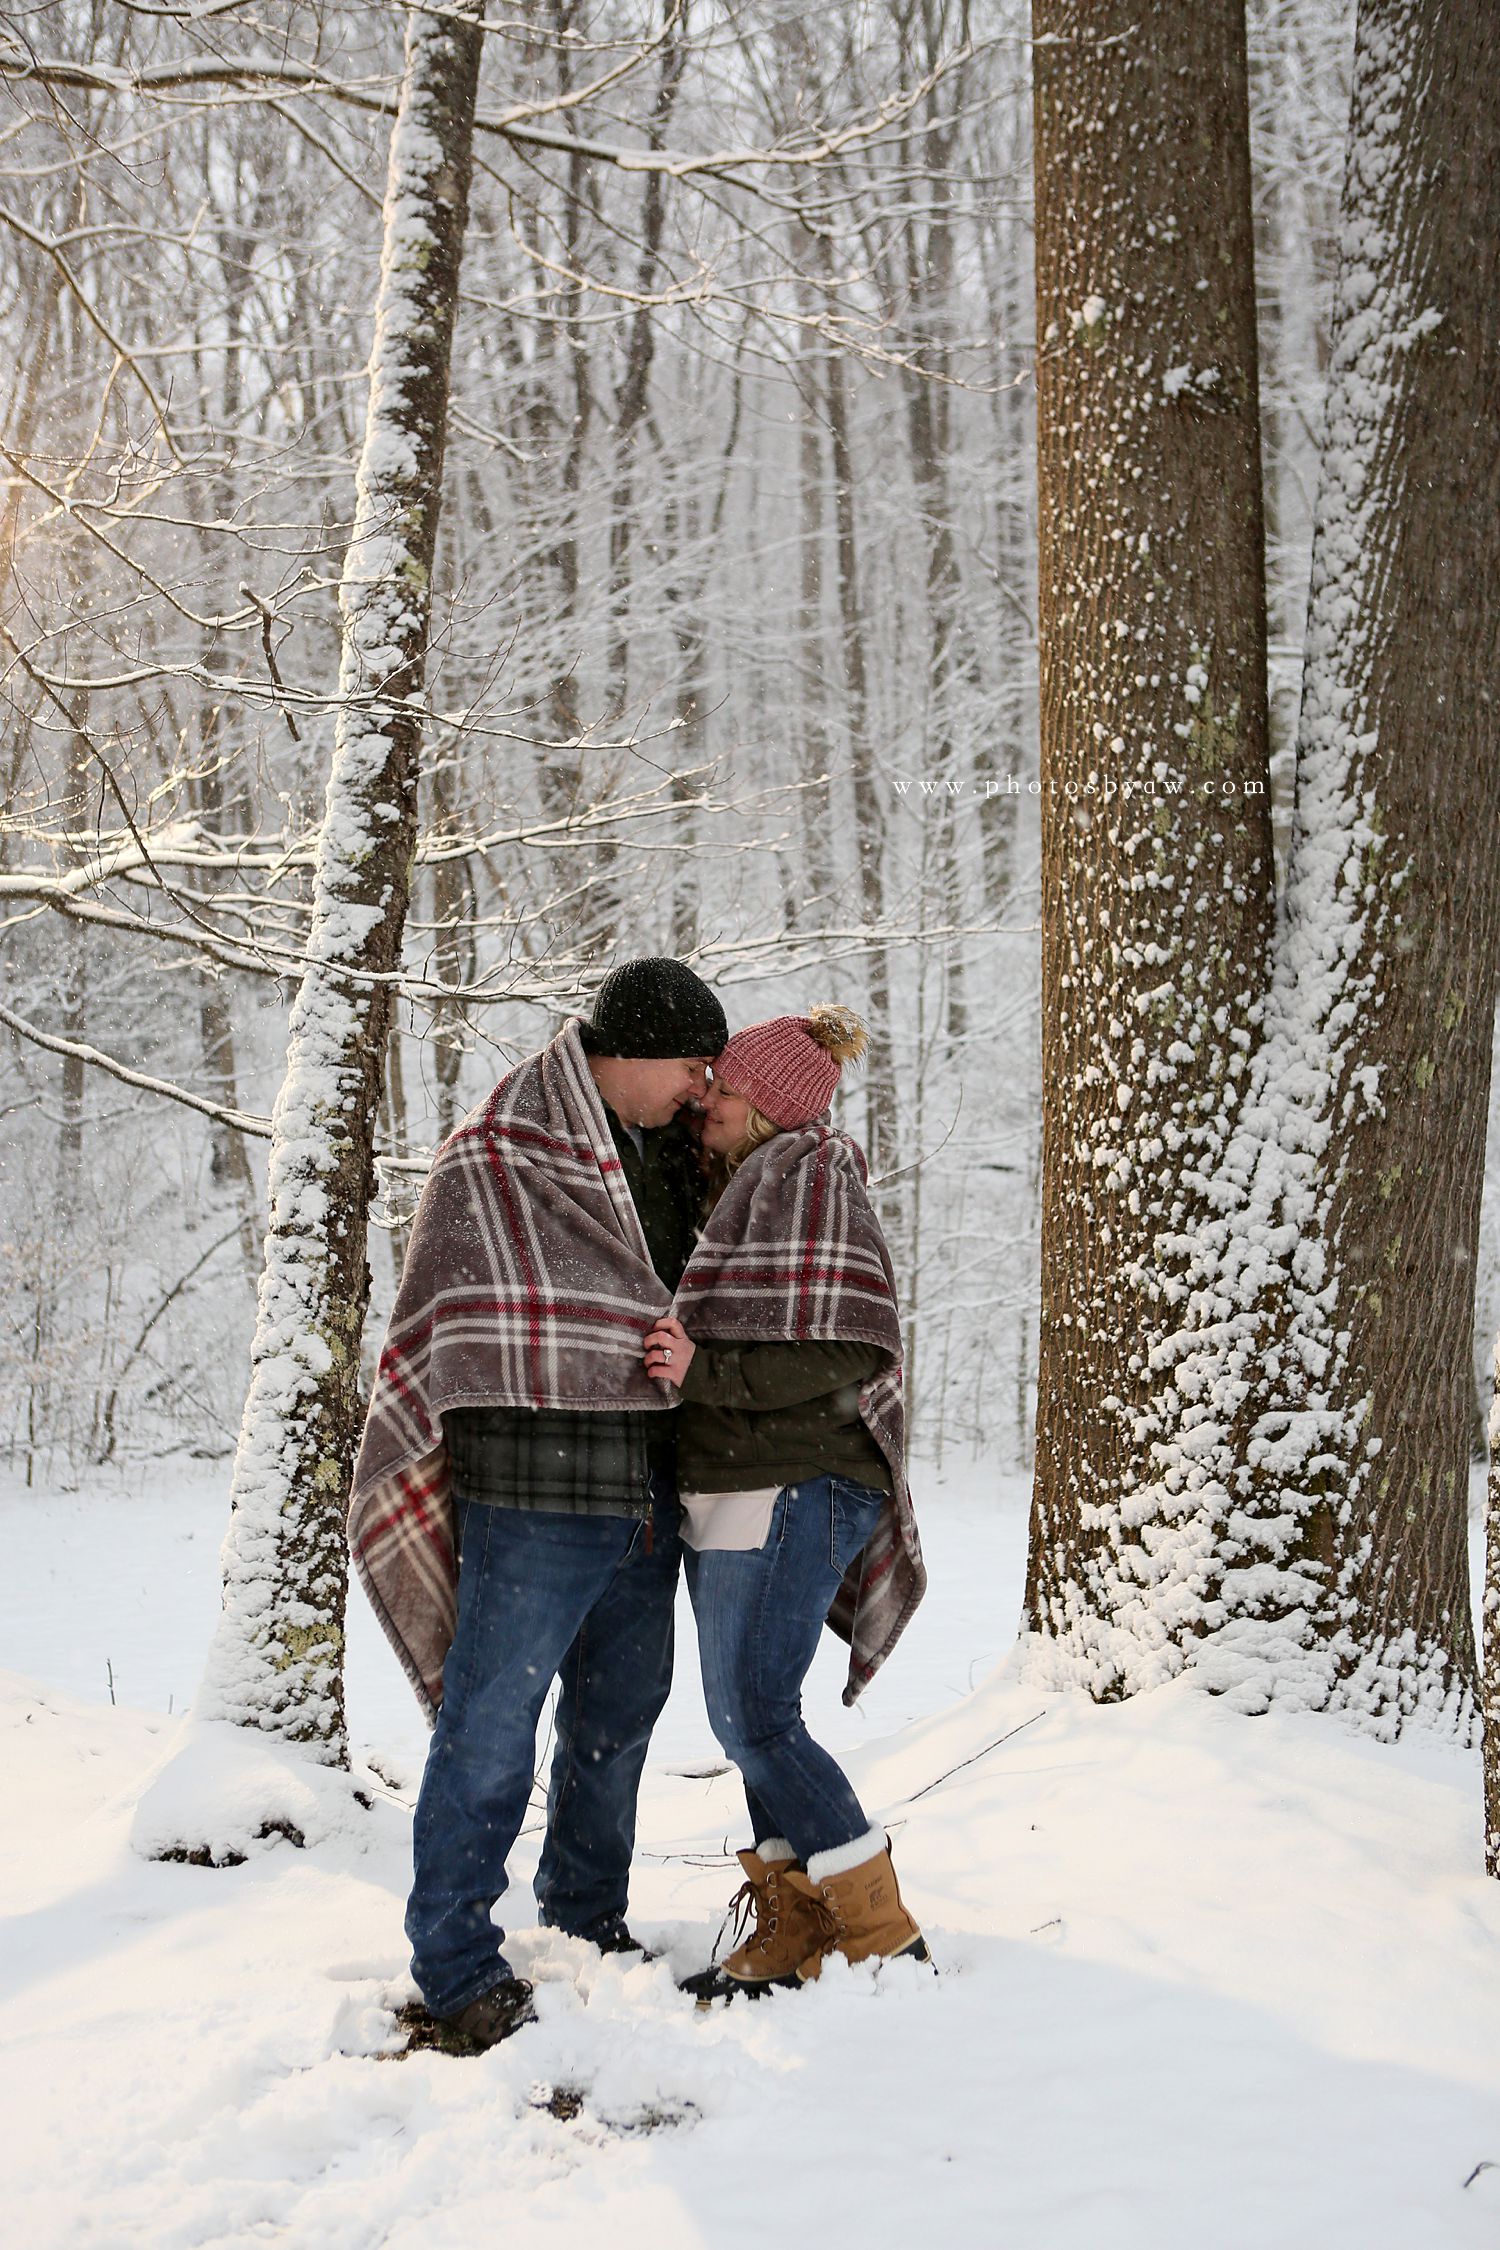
(1333, 1303)
(277, 1658)
(1399, 736)
(1156, 850)
(1491, 1636)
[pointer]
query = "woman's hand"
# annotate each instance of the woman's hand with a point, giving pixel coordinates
(669, 1350)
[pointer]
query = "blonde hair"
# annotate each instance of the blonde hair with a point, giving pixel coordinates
(758, 1128)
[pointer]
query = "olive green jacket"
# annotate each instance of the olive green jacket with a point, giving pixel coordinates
(763, 1414)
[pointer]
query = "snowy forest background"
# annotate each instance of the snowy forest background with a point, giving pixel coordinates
(728, 646)
(735, 637)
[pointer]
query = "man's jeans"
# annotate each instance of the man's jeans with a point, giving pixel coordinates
(760, 1614)
(539, 1594)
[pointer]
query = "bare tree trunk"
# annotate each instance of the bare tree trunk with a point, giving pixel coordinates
(690, 531)
(814, 735)
(277, 1658)
(633, 398)
(1156, 857)
(394, 1124)
(229, 1163)
(869, 812)
(41, 323)
(684, 595)
(80, 773)
(75, 992)
(453, 908)
(952, 671)
(561, 780)
(1014, 627)
(608, 910)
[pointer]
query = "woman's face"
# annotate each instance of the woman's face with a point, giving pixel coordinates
(725, 1117)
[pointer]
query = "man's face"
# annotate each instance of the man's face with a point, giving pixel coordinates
(642, 1090)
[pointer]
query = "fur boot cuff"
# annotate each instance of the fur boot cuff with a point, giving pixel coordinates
(844, 1856)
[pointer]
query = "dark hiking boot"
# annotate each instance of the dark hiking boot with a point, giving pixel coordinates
(492, 2017)
(614, 1937)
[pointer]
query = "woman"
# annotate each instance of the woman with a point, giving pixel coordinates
(790, 1467)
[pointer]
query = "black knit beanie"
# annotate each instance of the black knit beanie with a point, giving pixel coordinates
(654, 1008)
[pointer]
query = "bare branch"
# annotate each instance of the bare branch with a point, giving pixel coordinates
(239, 1120)
(51, 249)
(78, 512)
(253, 72)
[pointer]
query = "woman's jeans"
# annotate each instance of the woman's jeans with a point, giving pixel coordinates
(540, 1594)
(760, 1613)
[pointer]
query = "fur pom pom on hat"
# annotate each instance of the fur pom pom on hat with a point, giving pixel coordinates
(789, 1066)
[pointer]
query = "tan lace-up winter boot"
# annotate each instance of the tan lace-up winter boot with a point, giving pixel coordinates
(784, 1928)
(859, 1910)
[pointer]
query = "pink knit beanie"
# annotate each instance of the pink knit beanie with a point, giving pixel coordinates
(789, 1066)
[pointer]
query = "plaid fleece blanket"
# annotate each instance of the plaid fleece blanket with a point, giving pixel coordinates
(793, 1249)
(527, 1282)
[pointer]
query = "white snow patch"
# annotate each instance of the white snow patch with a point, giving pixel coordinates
(232, 1791)
(1203, 1980)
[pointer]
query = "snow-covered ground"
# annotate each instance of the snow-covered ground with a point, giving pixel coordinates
(1207, 1981)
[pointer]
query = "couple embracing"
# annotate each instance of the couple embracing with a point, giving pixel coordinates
(647, 1317)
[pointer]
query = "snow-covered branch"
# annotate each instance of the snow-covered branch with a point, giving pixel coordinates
(53, 1043)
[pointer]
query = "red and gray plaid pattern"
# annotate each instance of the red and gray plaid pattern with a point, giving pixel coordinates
(527, 1282)
(793, 1249)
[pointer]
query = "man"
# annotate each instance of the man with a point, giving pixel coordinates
(513, 1406)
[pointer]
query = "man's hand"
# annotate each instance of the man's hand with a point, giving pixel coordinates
(669, 1350)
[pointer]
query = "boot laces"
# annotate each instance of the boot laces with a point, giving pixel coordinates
(831, 1924)
(757, 1900)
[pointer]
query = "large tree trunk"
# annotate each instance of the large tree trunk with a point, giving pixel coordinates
(1491, 1651)
(277, 1659)
(1367, 1132)
(1156, 855)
